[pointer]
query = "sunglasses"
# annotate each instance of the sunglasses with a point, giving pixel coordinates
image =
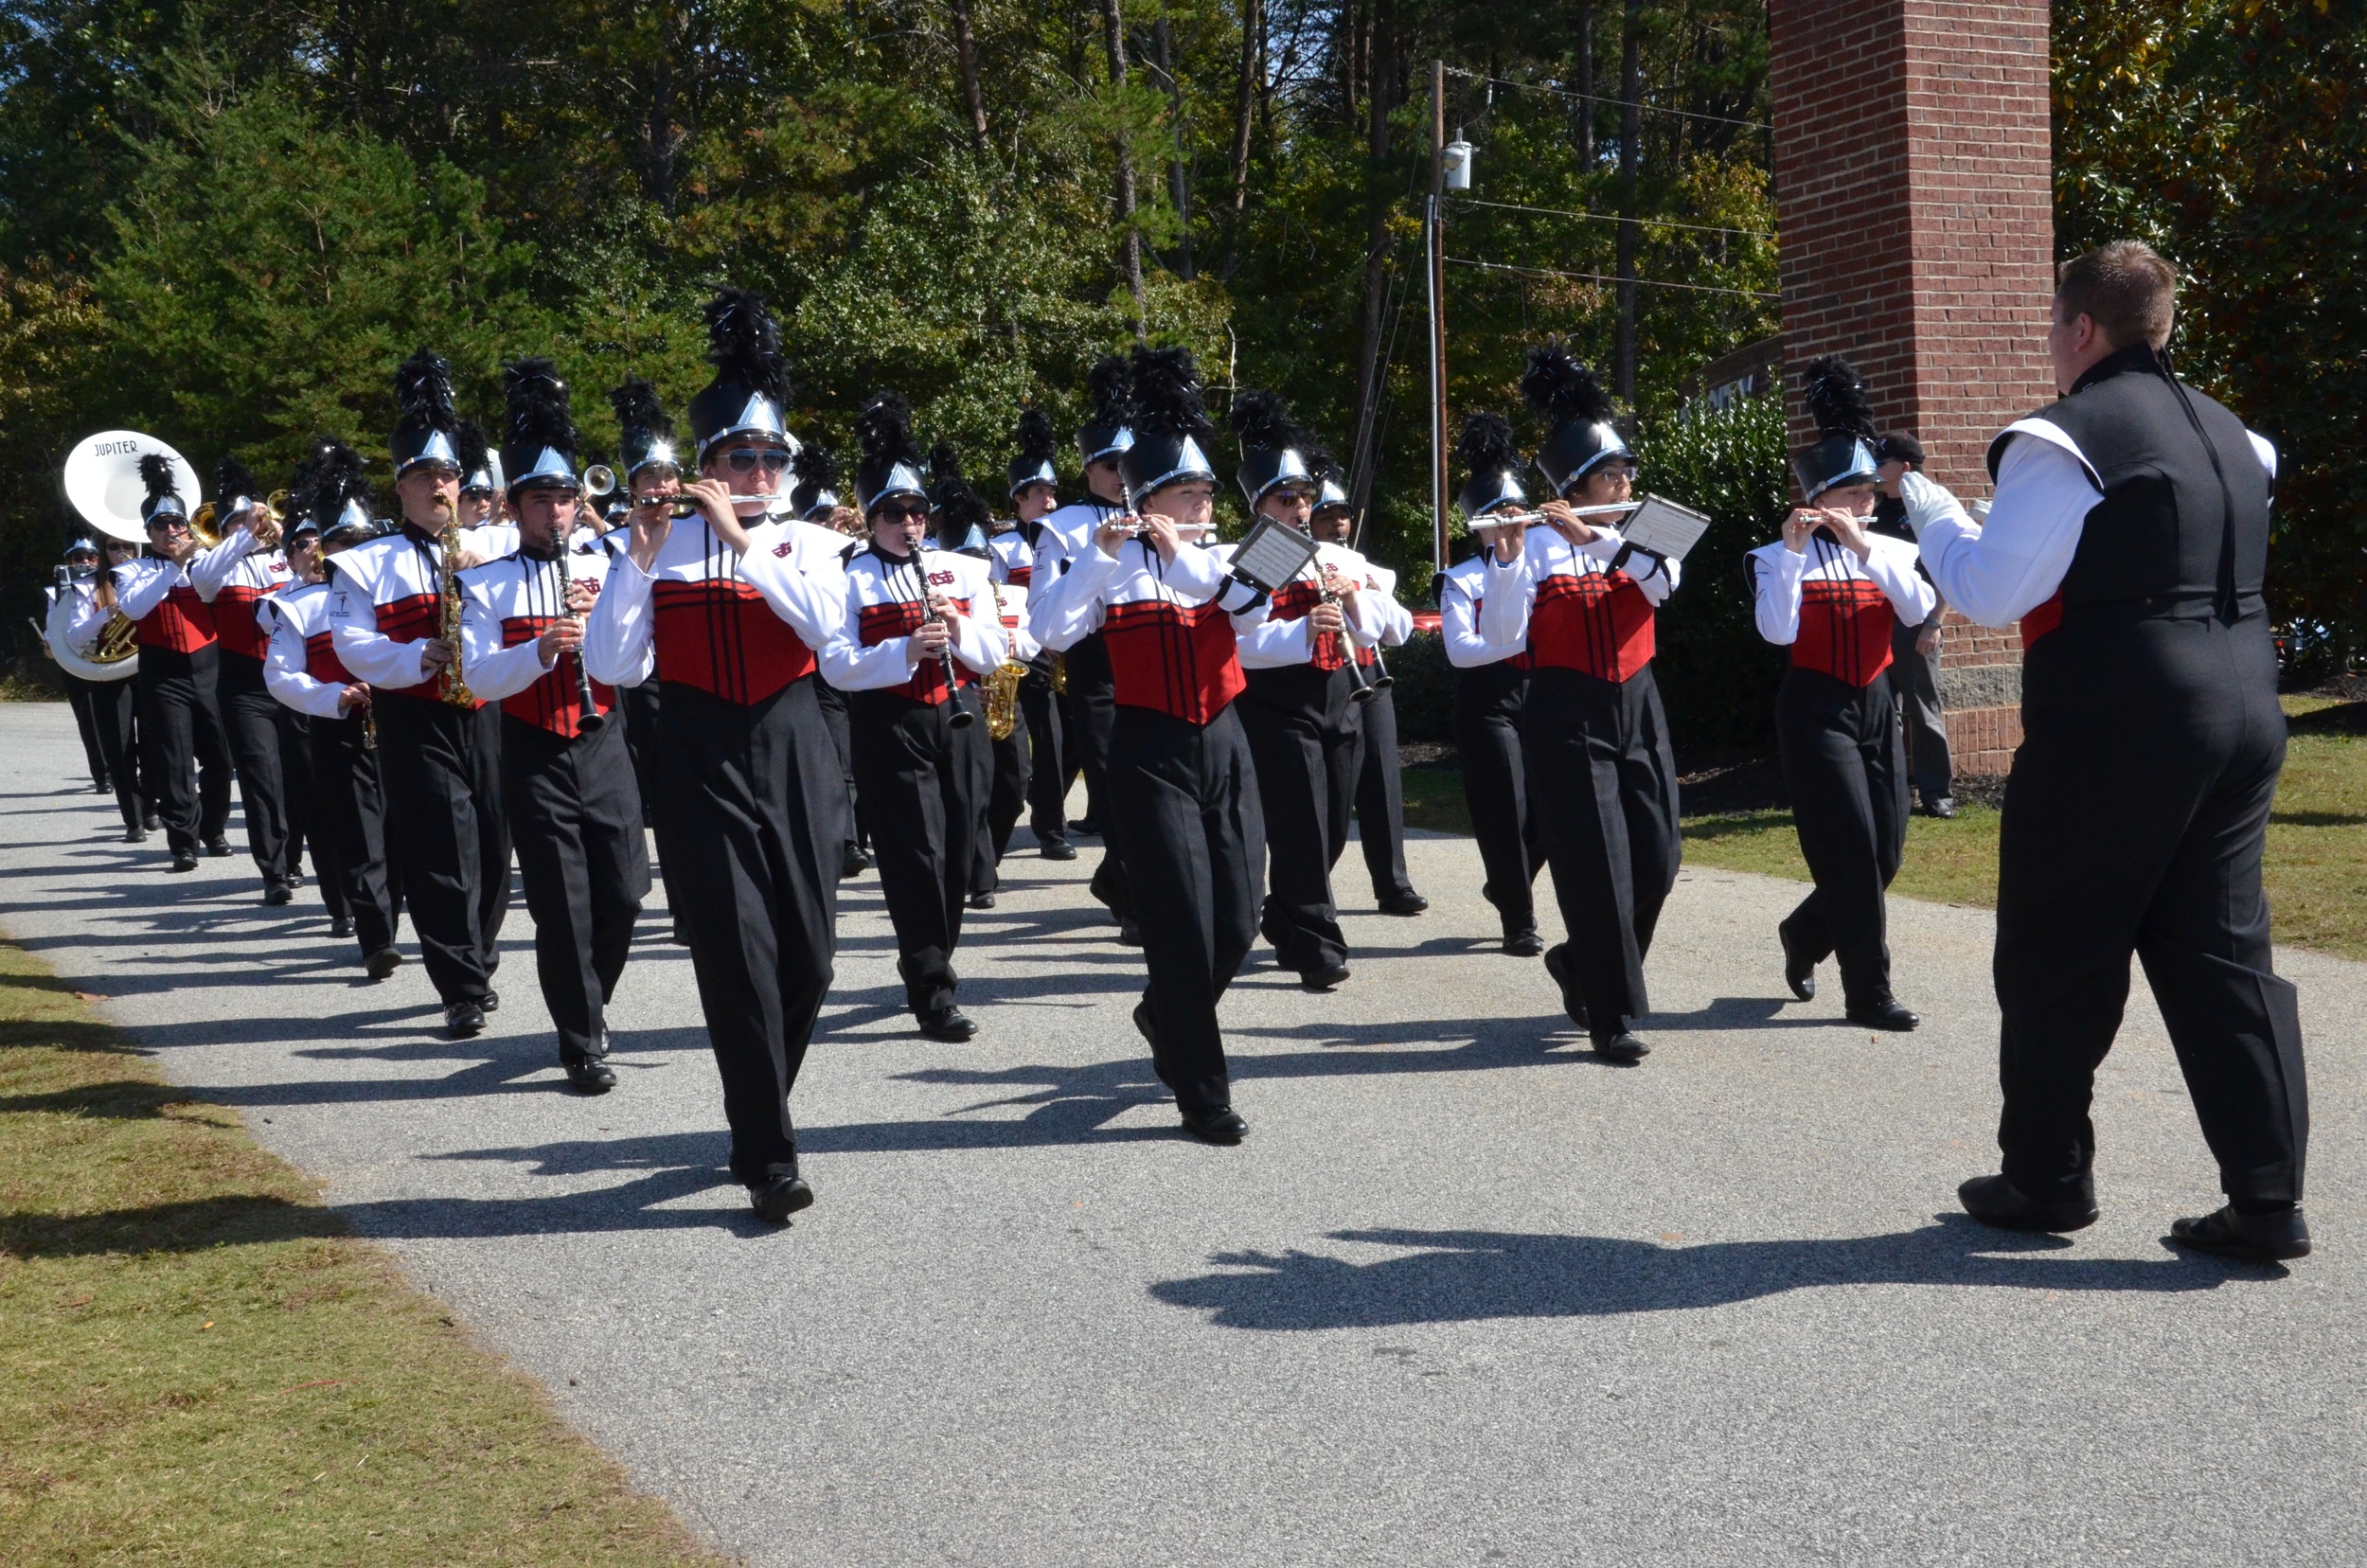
(746, 459)
(1291, 497)
(893, 513)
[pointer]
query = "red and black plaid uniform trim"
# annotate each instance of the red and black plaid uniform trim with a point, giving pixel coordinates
(1599, 623)
(1844, 630)
(1177, 660)
(180, 623)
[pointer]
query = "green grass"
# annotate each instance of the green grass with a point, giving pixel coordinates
(203, 1367)
(2316, 851)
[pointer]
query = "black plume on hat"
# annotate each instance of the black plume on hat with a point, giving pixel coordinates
(427, 424)
(1033, 466)
(233, 480)
(1274, 447)
(328, 479)
(164, 490)
(1561, 389)
(1836, 398)
(1167, 399)
(818, 478)
(1489, 462)
(1110, 387)
(744, 342)
(891, 462)
(1263, 419)
(475, 456)
(539, 437)
(960, 509)
(644, 430)
(945, 466)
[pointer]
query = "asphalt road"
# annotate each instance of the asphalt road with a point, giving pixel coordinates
(1466, 1295)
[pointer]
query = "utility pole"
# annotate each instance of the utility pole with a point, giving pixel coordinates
(1436, 265)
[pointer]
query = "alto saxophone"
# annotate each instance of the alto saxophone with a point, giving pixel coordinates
(1003, 684)
(456, 690)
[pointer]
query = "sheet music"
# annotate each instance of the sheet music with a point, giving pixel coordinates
(1271, 555)
(1665, 528)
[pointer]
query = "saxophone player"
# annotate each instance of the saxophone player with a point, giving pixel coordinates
(439, 752)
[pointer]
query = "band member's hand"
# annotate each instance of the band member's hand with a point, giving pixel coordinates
(261, 527)
(1160, 532)
(1505, 540)
(1798, 527)
(1114, 531)
(1848, 531)
(715, 504)
(435, 654)
(940, 605)
(1326, 617)
(1345, 586)
(581, 593)
(652, 521)
(930, 641)
(1928, 641)
(354, 699)
(560, 636)
(464, 557)
(845, 519)
(1568, 523)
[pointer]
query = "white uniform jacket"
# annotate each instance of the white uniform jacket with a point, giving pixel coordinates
(886, 602)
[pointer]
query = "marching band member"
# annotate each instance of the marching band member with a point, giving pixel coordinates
(1183, 802)
(1491, 687)
(1833, 591)
(816, 499)
(736, 609)
(963, 527)
(652, 469)
(914, 646)
(1014, 769)
(101, 689)
(180, 723)
(1299, 707)
(567, 779)
(1380, 779)
(300, 539)
(233, 579)
(1034, 488)
(440, 754)
(302, 670)
(1585, 606)
(483, 505)
(1092, 706)
(2130, 536)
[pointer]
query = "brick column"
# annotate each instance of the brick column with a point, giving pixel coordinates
(1912, 192)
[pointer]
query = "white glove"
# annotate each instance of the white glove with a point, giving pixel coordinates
(1926, 500)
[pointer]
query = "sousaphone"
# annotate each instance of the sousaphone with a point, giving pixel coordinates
(102, 481)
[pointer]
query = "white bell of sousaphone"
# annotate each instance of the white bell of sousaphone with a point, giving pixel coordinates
(102, 481)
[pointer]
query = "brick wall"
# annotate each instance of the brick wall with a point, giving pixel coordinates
(1913, 165)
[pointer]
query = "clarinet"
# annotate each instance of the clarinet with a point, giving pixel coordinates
(590, 718)
(962, 718)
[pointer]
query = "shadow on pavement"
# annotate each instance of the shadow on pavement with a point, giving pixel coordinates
(1459, 1277)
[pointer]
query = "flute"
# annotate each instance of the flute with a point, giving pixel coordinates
(1506, 519)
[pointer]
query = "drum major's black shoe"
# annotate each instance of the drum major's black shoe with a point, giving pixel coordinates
(463, 1019)
(1995, 1200)
(1129, 934)
(982, 901)
(1217, 1125)
(101, 786)
(1887, 1015)
(777, 1199)
(949, 1023)
(135, 835)
(1523, 944)
(1146, 1026)
(1324, 977)
(1622, 1047)
(2277, 1238)
(592, 1076)
(340, 926)
(1404, 903)
(492, 1000)
(151, 820)
(1942, 808)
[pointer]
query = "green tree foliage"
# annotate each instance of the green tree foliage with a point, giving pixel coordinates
(2232, 136)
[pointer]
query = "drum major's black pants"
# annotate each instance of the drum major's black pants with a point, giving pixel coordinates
(575, 816)
(187, 768)
(1304, 736)
(441, 767)
(1488, 703)
(927, 782)
(1845, 769)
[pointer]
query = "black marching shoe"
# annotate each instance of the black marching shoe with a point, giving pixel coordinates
(1057, 849)
(1995, 1200)
(463, 1019)
(1886, 1014)
(383, 963)
(853, 864)
(1622, 1047)
(1523, 944)
(151, 820)
(184, 860)
(1324, 979)
(218, 847)
(1404, 903)
(777, 1198)
(2276, 1237)
(1799, 971)
(1129, 934)
(340, 926)
(949, 1023)
(1219, 1124)
(982, 901)
(493, 1002)
(1085, 827)
(279, 893)
(101, 786)
(592, 1076)
(1942, 808)
(135, 835)
(1558, 964)
(1147, 1026)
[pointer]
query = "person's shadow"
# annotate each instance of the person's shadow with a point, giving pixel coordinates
(1458, 1276)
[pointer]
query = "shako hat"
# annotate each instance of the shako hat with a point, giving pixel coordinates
(1033, 466)
(646, 431)
(890, 464)
(815, 494)
(538, 428)
(480, 466)
(1580, 437)
(331, 491)
(1844, 451)
(1170, 425)
(163, 491)
(750, 393)
(1491, 467)
(1108, 386)
(1275, 451)
(426, 429)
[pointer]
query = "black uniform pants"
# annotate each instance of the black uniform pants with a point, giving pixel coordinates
(1915, 688)
(1007, 797)
(350, 823)
(78, 697)
(187, 769)
(1380, 799)
(927, 782)
(1845, 769)
(834, 716)
(2135, 817)
(305, 811)
(1488, 703)
(110, 705)
(250, 716)
(1048, 769)
(575, 816)
(639, 706)
(1091, 721)
(1610, 827)
(440, 766)
(756, 823)
(1303, 731)
(1194, 843)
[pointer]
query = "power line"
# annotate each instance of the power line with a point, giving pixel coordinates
(1613, 218)
(1615, 103)
(1606, 278)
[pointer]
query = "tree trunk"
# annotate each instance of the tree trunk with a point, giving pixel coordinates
(965, 64)
(1244, 104)
(1586, 85)
(1113, 41)
(1380, 85)
(1631, 132)
(1179, 177)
